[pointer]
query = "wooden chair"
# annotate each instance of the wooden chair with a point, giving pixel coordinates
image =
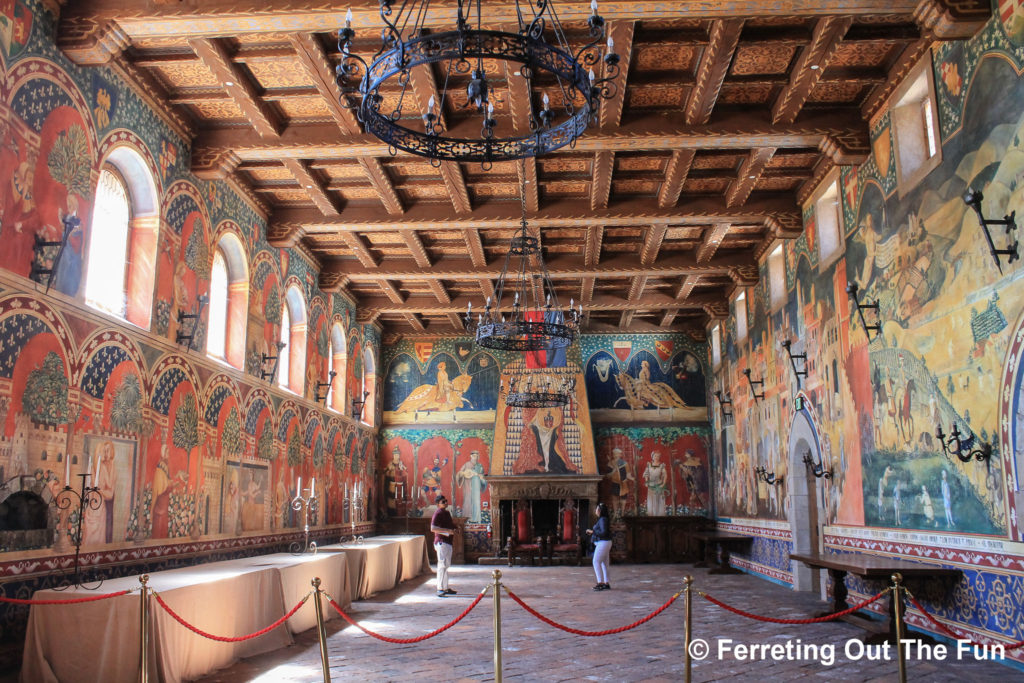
(567, 542)
(523, 542)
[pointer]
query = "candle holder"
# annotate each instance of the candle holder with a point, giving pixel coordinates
(354, 506)
(304, 503)
(816, 468)
(767, 477)
(89, 498)
(400, 496)
(195, 316)
(973, 199)
(324, 385)
(793, 358)
(752, 382)
(38, 268)
(852, 290)
(962, 447)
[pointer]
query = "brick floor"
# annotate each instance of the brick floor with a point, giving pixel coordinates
(535, 651)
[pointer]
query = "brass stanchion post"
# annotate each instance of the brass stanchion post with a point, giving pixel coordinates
(496, 575)
(897, 603)
(688, 629)
(320, 631)
(144, 630)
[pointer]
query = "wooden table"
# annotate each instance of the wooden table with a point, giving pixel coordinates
(715, 540)
(872, 568)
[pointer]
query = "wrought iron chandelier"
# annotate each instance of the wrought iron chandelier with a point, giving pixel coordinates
(534, 321)
(548, 388)
(465, 61)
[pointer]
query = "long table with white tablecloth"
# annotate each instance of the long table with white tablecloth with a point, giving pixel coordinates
(99, 641)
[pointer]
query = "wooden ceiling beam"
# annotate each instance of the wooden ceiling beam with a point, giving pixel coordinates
(475, 247)
(380, 181)
(456, 321)
(567, 213)
(560, 266)
(313, 185)
(414, 321)
(750, 172)
(592, 251)
(730, 131)
(601, 183)
(359, 247)
(214, 55)
(428, 305)
(610, 113)
(813, 60)
(520, 107)
(653, 240)
(712, 239)
(714, 65)
(675, 176)
(391, 291)
(626, 318)
(320, 71)
(667, 318)
(416, 248)
(137, 19)
(439, 291)
(686, 286)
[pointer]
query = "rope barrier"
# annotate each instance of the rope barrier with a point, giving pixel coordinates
(226, 639)
(815, 620)
(951, 632)
(407, 641)
(68, 601)
(578, 632)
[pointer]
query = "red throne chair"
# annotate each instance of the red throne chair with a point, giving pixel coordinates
(523, 542)
(567, 542)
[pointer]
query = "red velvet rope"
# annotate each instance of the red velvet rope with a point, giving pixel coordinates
(406, 641)
(224, 639)
(69, 601)
(816, 620)
(955, 634)
(578, 632)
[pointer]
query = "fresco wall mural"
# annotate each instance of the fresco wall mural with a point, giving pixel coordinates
(948, 354)
(182, 448)
(651, 378)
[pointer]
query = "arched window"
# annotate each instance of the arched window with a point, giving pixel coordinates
(369, 386)
(120, 271)
(105, 284)
(336, 360)
(290, 374)
(229, 300)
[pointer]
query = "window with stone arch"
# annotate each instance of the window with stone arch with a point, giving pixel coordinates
(369, 385)
(229, 301)
(336, 362)
(120, 272)
(292, 357)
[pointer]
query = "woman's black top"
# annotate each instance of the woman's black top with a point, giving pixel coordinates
(601, 530)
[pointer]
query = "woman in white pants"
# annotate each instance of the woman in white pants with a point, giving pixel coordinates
(602, 536)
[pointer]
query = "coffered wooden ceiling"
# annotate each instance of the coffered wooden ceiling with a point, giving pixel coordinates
(727, 115)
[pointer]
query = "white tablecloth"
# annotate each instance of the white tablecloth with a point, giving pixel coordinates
(413, 555)
(99, 641)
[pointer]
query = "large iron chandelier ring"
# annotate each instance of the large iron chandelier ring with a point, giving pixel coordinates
(459, 48)
(523, 335)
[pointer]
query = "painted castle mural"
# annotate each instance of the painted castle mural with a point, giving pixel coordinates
(947, 355)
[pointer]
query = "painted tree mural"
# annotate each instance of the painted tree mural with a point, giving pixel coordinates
(45, 400)
(186, 427)
(272, 308)
(294, 449)
(318, 453)
(68, 161)
(197, 253)
(265, 445)
(231, 438)
(126, 407)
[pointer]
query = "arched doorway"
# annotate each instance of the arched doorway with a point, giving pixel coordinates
(806, 507)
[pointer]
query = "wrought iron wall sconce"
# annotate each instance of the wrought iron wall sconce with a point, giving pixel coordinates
(852, 290)
(793, 357)
(722, 403)
(962, 448)
(263, 363)
(324, 385)
(752, 382)
(201, 301)
(816, 468)
(357, 406)
(973, 198)
(767, 477)
(36, 268)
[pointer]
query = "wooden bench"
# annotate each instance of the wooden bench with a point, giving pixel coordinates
(713, 541)
(872, 568)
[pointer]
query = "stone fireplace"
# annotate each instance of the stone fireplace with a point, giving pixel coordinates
(544, 493)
